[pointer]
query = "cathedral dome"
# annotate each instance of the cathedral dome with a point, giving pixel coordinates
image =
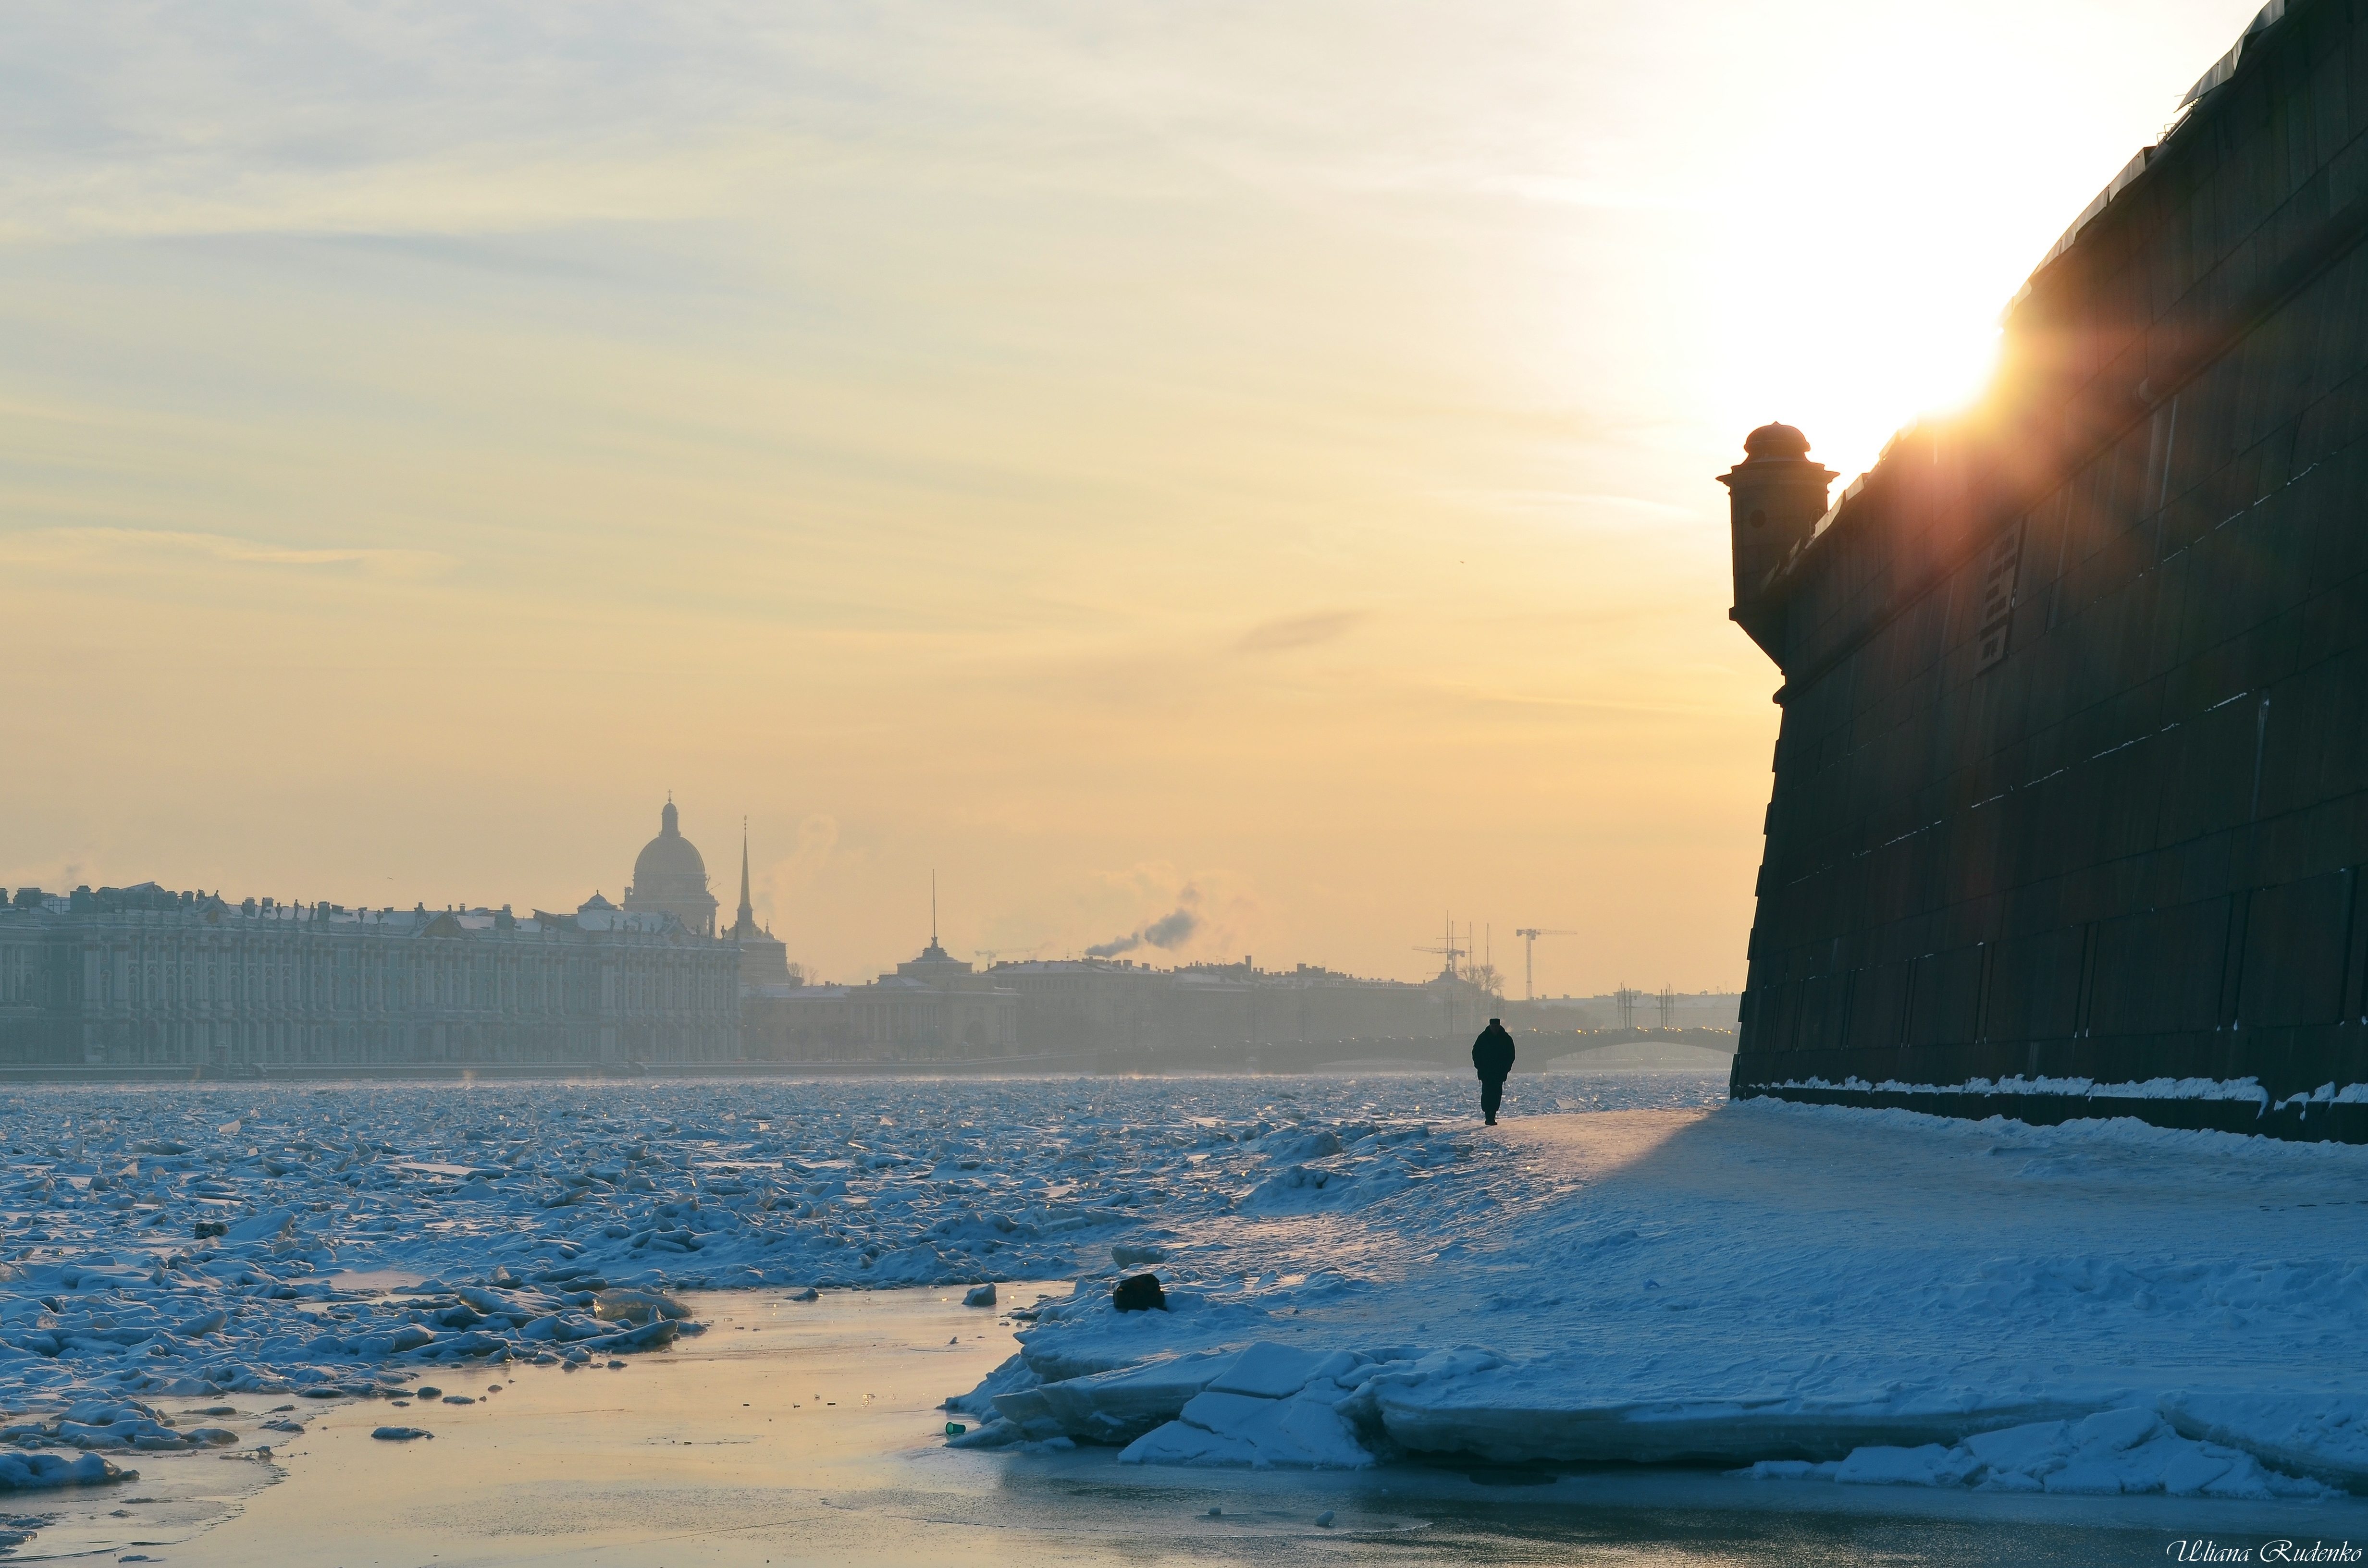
(669, 857)
(670, 875)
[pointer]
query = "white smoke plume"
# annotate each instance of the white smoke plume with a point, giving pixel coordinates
(1169, 931)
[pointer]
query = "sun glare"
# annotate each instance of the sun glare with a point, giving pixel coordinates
(1868, 294)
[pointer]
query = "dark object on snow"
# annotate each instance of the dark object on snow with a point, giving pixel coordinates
(205, 1229)
(400, 1434)
(1139, 1293)
(1492, 1058)
(980, 1296)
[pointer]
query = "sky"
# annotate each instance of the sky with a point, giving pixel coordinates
(1247, 461)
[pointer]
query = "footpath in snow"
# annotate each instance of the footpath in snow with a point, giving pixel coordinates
(1817, 1294)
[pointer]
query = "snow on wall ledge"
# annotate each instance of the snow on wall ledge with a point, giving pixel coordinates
(2328, 1113)
(1813, 1294)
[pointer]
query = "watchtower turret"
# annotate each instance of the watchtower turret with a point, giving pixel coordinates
(1775, 496)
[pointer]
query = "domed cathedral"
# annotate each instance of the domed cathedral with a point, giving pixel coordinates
(670, 877)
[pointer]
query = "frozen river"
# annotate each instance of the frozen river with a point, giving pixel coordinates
(1454, 1339)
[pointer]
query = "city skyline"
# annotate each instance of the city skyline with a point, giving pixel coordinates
(1094, 454)
(1154, 954)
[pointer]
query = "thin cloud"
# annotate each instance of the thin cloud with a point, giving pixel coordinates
(49, 545)
(1298, 631)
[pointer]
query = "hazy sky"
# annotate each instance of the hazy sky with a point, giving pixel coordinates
(1248, 458)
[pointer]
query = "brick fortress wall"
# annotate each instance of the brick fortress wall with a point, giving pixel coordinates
(2072, 780)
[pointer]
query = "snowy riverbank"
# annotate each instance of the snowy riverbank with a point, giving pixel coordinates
(1846, 1296)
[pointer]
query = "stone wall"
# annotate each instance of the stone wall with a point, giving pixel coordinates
(2072, 781)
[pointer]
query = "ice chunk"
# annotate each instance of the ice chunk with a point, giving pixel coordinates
(1929, 1465)
(637, 1306)
(1118, 1407)
(1790, 1470)
(1269, 1370)
(1240, 1429)
(2114, 1430)
(32, 1472)
(2318, 1433)
(979, 1296)
(2190, 1473)
(263, 1227)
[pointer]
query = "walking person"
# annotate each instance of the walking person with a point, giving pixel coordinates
(1492, 1058)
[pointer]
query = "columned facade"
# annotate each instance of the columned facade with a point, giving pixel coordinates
(147, 978)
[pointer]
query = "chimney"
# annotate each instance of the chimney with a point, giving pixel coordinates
(1775, 496)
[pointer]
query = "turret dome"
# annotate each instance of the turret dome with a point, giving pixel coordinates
(1776, 441)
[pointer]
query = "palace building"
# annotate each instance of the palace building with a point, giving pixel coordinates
(144, 977)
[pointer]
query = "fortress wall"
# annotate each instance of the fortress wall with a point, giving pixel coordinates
(2073, 772)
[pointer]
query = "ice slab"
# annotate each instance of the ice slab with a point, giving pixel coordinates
(1873, 1292)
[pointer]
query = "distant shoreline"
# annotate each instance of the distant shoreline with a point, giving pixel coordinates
(1619, 1053)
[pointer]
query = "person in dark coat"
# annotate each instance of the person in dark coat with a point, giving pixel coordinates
(1492, 1058)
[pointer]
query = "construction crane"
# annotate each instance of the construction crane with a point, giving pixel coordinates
(1530, 935)
(1448, 948)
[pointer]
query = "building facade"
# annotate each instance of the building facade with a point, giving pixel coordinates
(937, 1007)
(934, 1007)
(144, 977)
(1112, 1003)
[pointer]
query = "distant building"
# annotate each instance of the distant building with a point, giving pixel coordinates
(764, 961)
(146, 977)
(670, 878)
(1114, 1004)
(933, 1007)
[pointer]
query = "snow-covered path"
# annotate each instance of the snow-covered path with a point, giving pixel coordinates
(1768, 1280)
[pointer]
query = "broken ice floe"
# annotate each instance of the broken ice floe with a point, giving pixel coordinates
(2127, 1450)
(1272, 1405)
(34, 1473)
(503, 1217)
(1749, 1292)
